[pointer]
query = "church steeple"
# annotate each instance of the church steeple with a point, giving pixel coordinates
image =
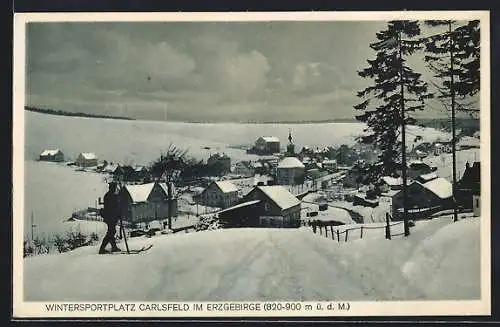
(290, 148)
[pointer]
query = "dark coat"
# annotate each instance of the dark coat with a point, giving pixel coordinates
(111, 211)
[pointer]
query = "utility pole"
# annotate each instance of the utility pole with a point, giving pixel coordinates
(403, 142)
(453, 128)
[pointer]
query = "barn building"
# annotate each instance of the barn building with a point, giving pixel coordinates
(264, 206)
(54, 155)
(86, 159)
(220, 194)
(146, 202)
(267, 145)
(424, 199)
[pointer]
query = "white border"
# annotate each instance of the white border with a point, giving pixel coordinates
(393, 308)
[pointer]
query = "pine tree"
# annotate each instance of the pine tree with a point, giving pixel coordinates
(397, 91)
(463, 44)
(396, 84)
(453, 56)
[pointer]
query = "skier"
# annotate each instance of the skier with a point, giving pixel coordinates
(111, 214)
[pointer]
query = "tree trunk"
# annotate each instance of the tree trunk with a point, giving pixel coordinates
(169, 191)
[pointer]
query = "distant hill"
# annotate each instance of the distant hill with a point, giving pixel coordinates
(74, 114)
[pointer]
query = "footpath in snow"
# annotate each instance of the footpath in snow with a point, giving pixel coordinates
(440, 260)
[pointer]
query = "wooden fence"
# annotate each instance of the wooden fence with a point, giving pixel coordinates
(326, 228)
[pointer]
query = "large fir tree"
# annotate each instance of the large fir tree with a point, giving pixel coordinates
(453, 55)
(397, 90)
(458, 79)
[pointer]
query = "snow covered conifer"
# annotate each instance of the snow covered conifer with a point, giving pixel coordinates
(397, 89)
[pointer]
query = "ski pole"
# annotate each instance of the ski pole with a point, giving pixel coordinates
(124, 235)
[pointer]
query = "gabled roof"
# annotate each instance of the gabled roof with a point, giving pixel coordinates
(141, 192)
(270, 138)
(290, 162)
(439, 186)
(51, 152)
(241, 205)
(226, 186)
(88, 155)
(280, 195)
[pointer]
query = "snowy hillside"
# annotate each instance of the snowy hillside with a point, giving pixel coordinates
(439, 260)
(141, 142)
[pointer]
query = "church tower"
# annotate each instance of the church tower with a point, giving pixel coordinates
(290, 148)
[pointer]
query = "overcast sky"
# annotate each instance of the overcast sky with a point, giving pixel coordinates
(200, 71)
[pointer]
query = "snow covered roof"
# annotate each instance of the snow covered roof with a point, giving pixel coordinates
(256, 164)
(226, 186)
(392, 181)
(241, 205)
(469, 141)
(88, 155)
(280, 195)
(290, 162)
(270, 138)
(110, 167)
(439, 186)
(428, 177)
(141, 192)
(139, 168)
(329, 161)
(51, 152)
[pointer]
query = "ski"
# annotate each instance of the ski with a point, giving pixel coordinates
(134, 251)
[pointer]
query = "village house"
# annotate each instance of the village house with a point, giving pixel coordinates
(290, 171)
(424, 199)
(417, 168)
(329, 164)
(146, 202)
(267, 145)
(54, 155)
(469, 185)
(86, 159)
(220, 194)
(264, 206)
(388, 183)
(110, 168)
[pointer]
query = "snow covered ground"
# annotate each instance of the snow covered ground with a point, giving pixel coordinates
(439, 260)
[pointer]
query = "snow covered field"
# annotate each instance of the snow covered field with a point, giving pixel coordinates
(53, 191)
(140, 142)
(439, 260)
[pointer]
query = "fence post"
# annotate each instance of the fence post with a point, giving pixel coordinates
(361, 231)
(326, 231)
(320, 233)
(338, 235)
(331, 229)
(346, 233)
(314, 228)
(387, 227)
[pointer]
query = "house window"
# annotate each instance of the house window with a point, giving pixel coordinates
(267, 207)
